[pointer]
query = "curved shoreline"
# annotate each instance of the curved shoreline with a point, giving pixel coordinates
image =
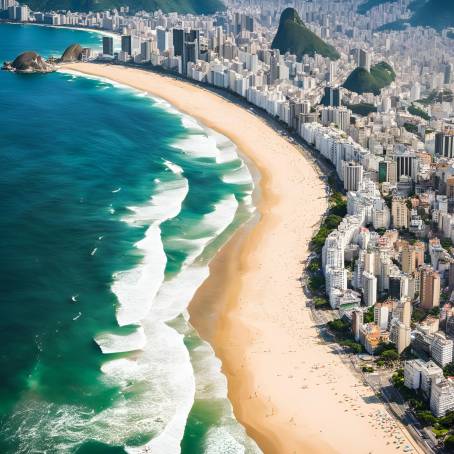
(287, 387)
(67, 27)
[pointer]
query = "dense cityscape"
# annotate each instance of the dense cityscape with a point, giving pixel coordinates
(385, 247)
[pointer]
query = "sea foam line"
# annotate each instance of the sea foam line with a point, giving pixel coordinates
(136, 288)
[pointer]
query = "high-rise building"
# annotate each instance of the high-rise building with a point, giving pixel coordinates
(126, 44)
(243, 22)
(444, 144)
(415, 92)
(353, 176)
(107, 45)
(399, 213)
(340, 116)
(441, 397)
(22, 13)
(163, 39)
(145, 51)
(387, 171)
(186, 46)
(407, 165)
(219, 41)
(404, 311)
(5, 4)
(441, 349)
(382, 314)
(396, 286)
(364, 59)
(357, 321)
(190, 54)
(369, 289)
(178, 41)
(333, 96)
(419, 374)
(419, 248)
(408, 258)
(404, 337)
(429, 294)
(448, 74)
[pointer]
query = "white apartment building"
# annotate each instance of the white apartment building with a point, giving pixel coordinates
(442, 397)
(419, 374)
(441, 349)
(369, 289)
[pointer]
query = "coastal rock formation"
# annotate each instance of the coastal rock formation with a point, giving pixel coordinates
(293, 36)
(29, 62)
(71, 54)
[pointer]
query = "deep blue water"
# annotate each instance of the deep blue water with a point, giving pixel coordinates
(112, 205)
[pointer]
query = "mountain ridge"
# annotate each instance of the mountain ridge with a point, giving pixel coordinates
(180, 6)
(437, 14)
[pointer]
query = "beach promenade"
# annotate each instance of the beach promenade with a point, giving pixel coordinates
(291, 390)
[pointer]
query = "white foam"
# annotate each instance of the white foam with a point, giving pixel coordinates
(156, 393)
(219, 441)
(222, 215)
(227, 154)
(198, 146)
(175, 295)
(200, 235)
(163, 104)
(136, 288)
(118, 343)
(190, 123)
(164, 204)
(165, 373)
(238, 176)
(192, 247)
(176, 169)
(211, 385)
(104, 81)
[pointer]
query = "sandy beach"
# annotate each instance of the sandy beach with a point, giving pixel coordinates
(289, 389)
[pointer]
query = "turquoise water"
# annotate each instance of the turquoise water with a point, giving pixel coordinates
(112, 205)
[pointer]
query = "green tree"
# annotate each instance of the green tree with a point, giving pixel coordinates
(389, 355)
(448, 370)
(426, 417)
(321, 303)
(449, 443)
(332, 221)
(446, 243)
(369, 315)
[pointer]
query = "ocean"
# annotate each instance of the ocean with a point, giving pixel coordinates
(113, 204)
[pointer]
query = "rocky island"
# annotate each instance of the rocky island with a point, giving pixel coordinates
(30, 62)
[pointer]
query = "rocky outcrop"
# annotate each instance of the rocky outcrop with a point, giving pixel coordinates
(71, 54)
(29, 62)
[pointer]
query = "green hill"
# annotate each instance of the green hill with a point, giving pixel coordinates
(361, 81)
(438, 14)
(364, 8)
(294, 37)
(397, 25)
(181, 6)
